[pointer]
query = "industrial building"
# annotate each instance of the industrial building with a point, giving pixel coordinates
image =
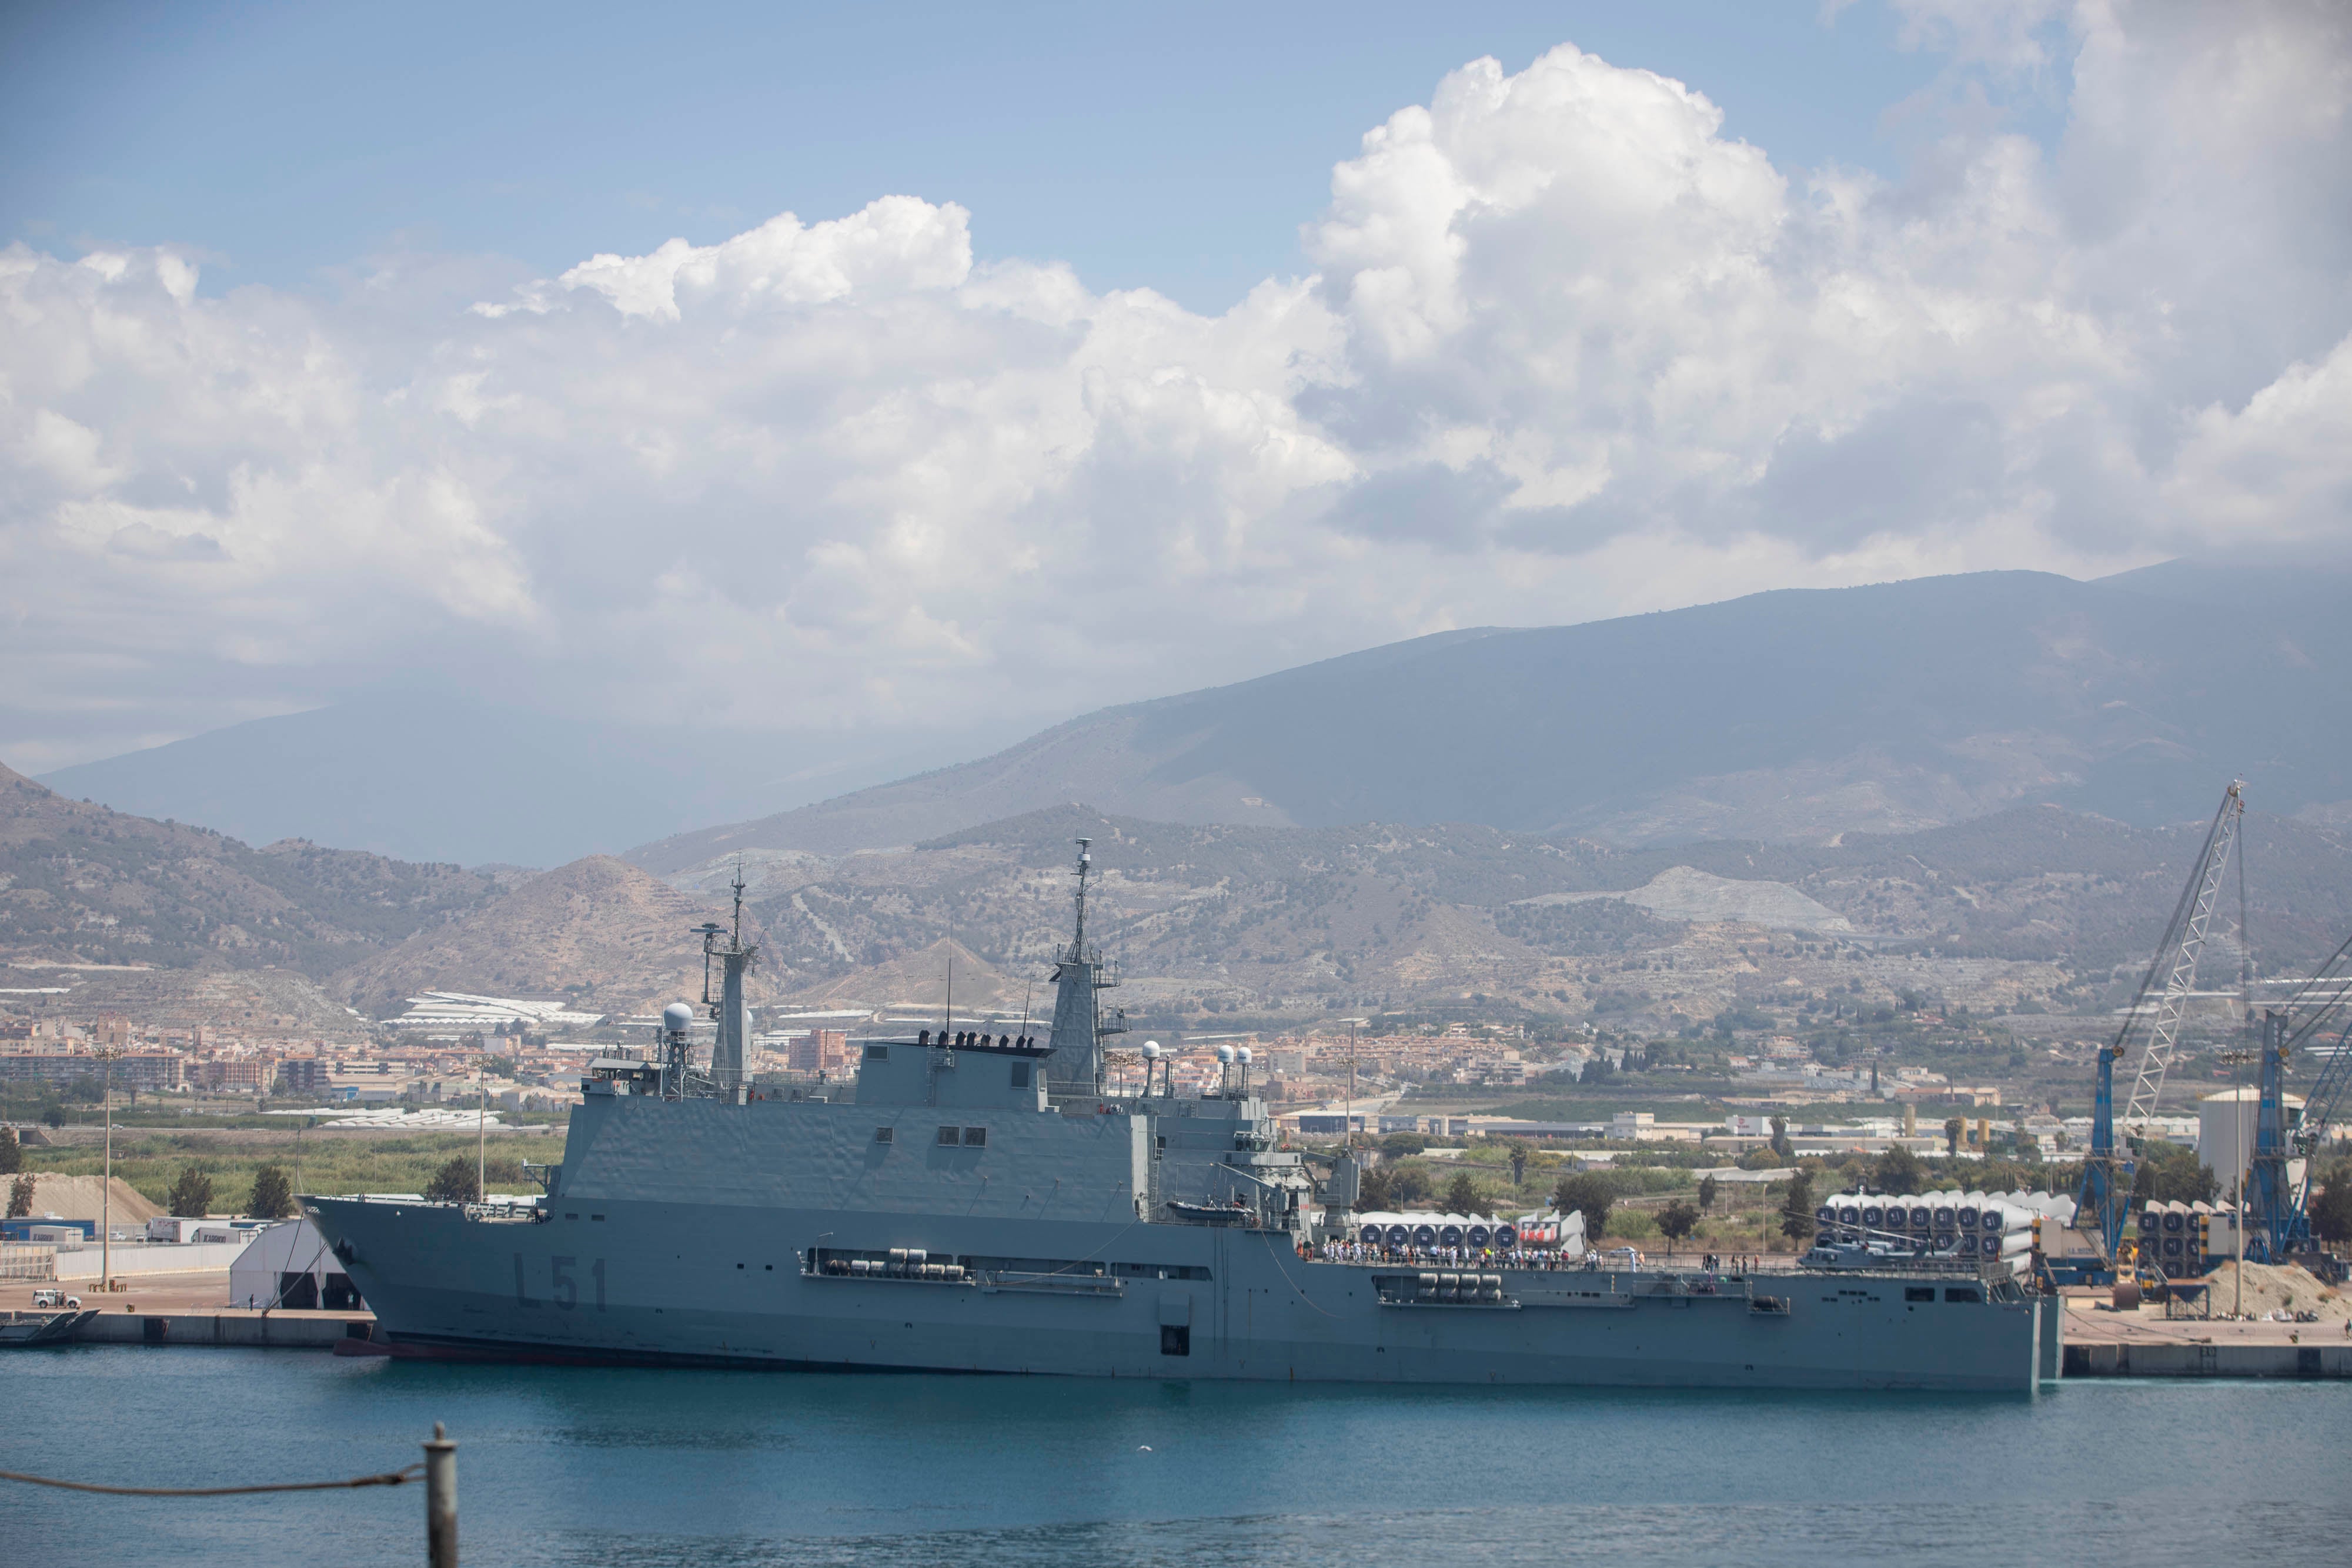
(2227, 1125)
(289, 1266)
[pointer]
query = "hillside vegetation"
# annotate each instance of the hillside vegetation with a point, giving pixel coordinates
(2043, 905)
(80, 883)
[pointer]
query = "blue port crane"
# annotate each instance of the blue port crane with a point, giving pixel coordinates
(2151, 1026)
(2279, 1209)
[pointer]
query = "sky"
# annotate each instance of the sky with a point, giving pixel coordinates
(862, 368)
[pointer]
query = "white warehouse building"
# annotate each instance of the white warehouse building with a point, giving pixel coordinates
(290, 1267)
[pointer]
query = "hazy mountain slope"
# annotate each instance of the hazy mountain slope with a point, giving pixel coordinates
(598, 931)
(1789, 715)
(81, 884)
(1107, 755)
(1272, 920)
(452, 776)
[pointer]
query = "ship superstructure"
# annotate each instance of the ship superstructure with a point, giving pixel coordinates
(989, 1203)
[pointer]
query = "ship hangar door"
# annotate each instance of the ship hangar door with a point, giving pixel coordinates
(1175, 1322)
(299, 1292)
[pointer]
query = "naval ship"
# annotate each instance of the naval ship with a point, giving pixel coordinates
(979, 1203)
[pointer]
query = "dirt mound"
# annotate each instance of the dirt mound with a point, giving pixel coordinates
(2272, 1288)
(79, 1197)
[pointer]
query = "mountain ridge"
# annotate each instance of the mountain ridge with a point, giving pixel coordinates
(432, 776)
(84, 884)
(2031, 905)
(1796, 713)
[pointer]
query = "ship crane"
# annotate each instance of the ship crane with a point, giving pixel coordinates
(2150, 1028)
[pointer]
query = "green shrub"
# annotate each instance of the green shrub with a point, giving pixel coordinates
(454, 1183)
(273, 1194)
(191, 1195)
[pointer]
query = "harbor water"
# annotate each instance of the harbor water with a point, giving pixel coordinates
(645, 1468)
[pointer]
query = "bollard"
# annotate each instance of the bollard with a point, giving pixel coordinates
(440, 1499)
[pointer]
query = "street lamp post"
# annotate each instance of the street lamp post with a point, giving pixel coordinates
(107, 1053)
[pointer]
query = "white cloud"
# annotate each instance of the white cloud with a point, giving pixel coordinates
(1568, 351)
(897, 245)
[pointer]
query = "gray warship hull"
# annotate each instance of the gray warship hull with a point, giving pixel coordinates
(990, 1204)
(683, 1232)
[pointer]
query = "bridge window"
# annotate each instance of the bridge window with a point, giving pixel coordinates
(1962, 1293)
(950, 1135)
(882, 1134)
(877, 1053)
(974, 1137)
(1918, 1292)
(1021, 1075)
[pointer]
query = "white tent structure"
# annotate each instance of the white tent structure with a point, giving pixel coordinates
(290, 1267)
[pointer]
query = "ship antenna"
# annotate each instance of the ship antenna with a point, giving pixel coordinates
(1078, 942)
(739, 901)
(950, 1018)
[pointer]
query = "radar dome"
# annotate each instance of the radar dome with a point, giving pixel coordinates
(677, 1018)
(1225, 1053)
(1150, 1050)
(1246, 1057)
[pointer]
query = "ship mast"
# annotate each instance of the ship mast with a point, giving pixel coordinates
(728, 1008)
(1076, 1067)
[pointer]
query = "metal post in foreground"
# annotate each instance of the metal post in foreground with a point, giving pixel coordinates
(106, 1187)
(440, 1499)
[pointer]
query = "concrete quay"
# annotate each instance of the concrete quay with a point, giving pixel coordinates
(2307, 1362)
(252, 1331)
(2144, 1342)
(191, 1308)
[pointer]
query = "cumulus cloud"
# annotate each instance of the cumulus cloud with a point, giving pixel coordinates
(1565, 350)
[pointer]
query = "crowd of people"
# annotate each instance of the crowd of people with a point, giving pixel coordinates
(1531, 1259)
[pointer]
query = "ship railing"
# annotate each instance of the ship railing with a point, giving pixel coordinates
(1527, 1262)
(1236, 1217)
(1987, 1270)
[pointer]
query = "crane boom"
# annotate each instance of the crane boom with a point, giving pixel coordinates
(2156, 1008)
(2176, 961)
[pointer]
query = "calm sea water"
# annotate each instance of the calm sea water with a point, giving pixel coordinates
(560, 1466)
